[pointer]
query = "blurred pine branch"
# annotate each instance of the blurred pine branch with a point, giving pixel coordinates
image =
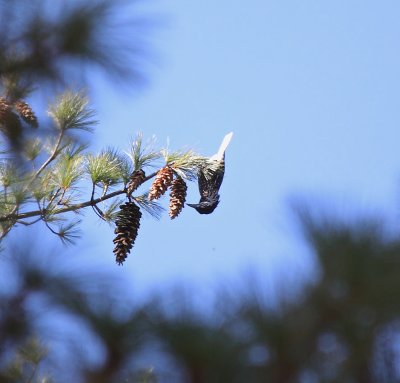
(341, 327)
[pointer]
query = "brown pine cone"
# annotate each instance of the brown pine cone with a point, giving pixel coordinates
(5, 109)
(161, 183)
(136, 179)
(26, 113)
(127, 226)
(177, 197)
(10, 123)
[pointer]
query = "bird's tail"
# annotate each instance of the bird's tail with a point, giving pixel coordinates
(221, 151)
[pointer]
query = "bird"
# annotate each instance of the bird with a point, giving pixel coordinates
(210, 179)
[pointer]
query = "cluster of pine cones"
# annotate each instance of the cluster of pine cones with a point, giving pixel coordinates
(165, 179)
(128, 221)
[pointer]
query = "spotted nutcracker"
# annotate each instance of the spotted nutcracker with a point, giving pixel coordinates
(210, 179)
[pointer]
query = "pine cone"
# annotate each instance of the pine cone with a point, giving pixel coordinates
(136, 179)
(10, 123)
(161, 183)
(177, 197)
(127, 226)
(5, 109)
(26, 113)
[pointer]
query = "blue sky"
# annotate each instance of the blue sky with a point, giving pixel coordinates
(310, 90)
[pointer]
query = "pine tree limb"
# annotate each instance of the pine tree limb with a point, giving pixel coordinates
(14, 217)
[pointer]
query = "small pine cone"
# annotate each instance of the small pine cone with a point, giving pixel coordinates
(5, 109)
(161, 183)
(177, 197)
(127, 226)
(3, 101)
(10, 123)
(136, 179)
(26, 113)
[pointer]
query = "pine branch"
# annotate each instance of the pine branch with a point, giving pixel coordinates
(34, 213)
(14, 217)
(56, 186)
(38, 172)
(69, 112)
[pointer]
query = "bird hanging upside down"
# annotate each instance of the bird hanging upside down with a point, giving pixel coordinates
(210, 179)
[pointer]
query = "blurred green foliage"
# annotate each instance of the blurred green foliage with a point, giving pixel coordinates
(48, 46)
(56, 43)
(343, 327)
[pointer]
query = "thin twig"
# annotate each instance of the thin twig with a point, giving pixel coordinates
(51, 157)
(105, 189)
(42, 217)
(50, 228)
(51, 200)
(149, 177)
(59, 202)
(95, 208)
(29, 223)
(98, 212)
(93, 190)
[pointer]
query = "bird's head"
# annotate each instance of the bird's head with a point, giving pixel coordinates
(206, 205)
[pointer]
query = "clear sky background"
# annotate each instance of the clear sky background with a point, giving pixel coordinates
(310, 90)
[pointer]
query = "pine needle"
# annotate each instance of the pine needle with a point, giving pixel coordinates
(70, 111)
(126, 168)
(69, 169)
(107, 168)
(8, 174)
(111, 213)
(32, 149)
(142, 154)
(151, 207)
(69, 233)
(185, 163)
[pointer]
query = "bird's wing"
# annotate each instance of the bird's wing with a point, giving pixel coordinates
(202, 179)
(210, 179)
(221, 151)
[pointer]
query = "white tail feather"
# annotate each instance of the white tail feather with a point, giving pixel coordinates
(224, 144)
